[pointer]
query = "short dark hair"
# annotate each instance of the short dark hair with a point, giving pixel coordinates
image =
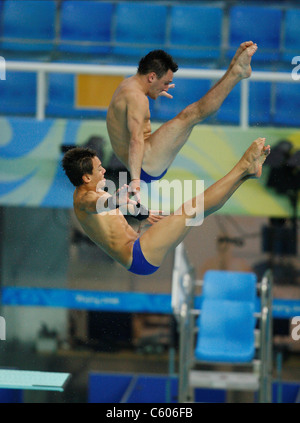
(157, 61)
(77, 162)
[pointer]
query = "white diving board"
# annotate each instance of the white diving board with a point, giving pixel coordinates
(27, 379)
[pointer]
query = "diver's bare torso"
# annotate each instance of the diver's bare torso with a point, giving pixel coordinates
(127, 94)
(109, 231)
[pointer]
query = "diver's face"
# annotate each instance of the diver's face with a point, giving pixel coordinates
(97, 176)
(158, 85)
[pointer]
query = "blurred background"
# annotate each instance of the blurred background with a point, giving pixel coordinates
(68, 307)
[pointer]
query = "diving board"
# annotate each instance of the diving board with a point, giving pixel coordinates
(34, 380)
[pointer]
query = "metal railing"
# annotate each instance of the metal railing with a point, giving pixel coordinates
(183, 299)
(43, 69)
(266, 334)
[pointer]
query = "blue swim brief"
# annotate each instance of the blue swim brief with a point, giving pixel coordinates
(140, 266)
(148, 178)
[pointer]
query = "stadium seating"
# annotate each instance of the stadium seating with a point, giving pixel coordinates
(226, 332)
(196, 32)
(83, 25)
(186, 91)
(121, 32)
(18, 94)
(61, 98)
(141, 24)
(259, 105)
(249, 23)
(229, 285)
(28, 26)
(291, 35)
(233, 327)
(287, 104)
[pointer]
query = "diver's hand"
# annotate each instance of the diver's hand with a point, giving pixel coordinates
(165, 93)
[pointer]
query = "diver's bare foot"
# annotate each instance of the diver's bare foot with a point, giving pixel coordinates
(254, 158)
(240, 50)
(242, 67)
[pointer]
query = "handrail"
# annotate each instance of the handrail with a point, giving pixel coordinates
(181, 280)
(183, 297)
(43, 68)
(266, 337)
(186, 345)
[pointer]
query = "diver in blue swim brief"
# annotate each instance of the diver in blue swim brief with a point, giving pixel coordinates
(140, 266)
(102, 215)
(128, 118)
(148, 178)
